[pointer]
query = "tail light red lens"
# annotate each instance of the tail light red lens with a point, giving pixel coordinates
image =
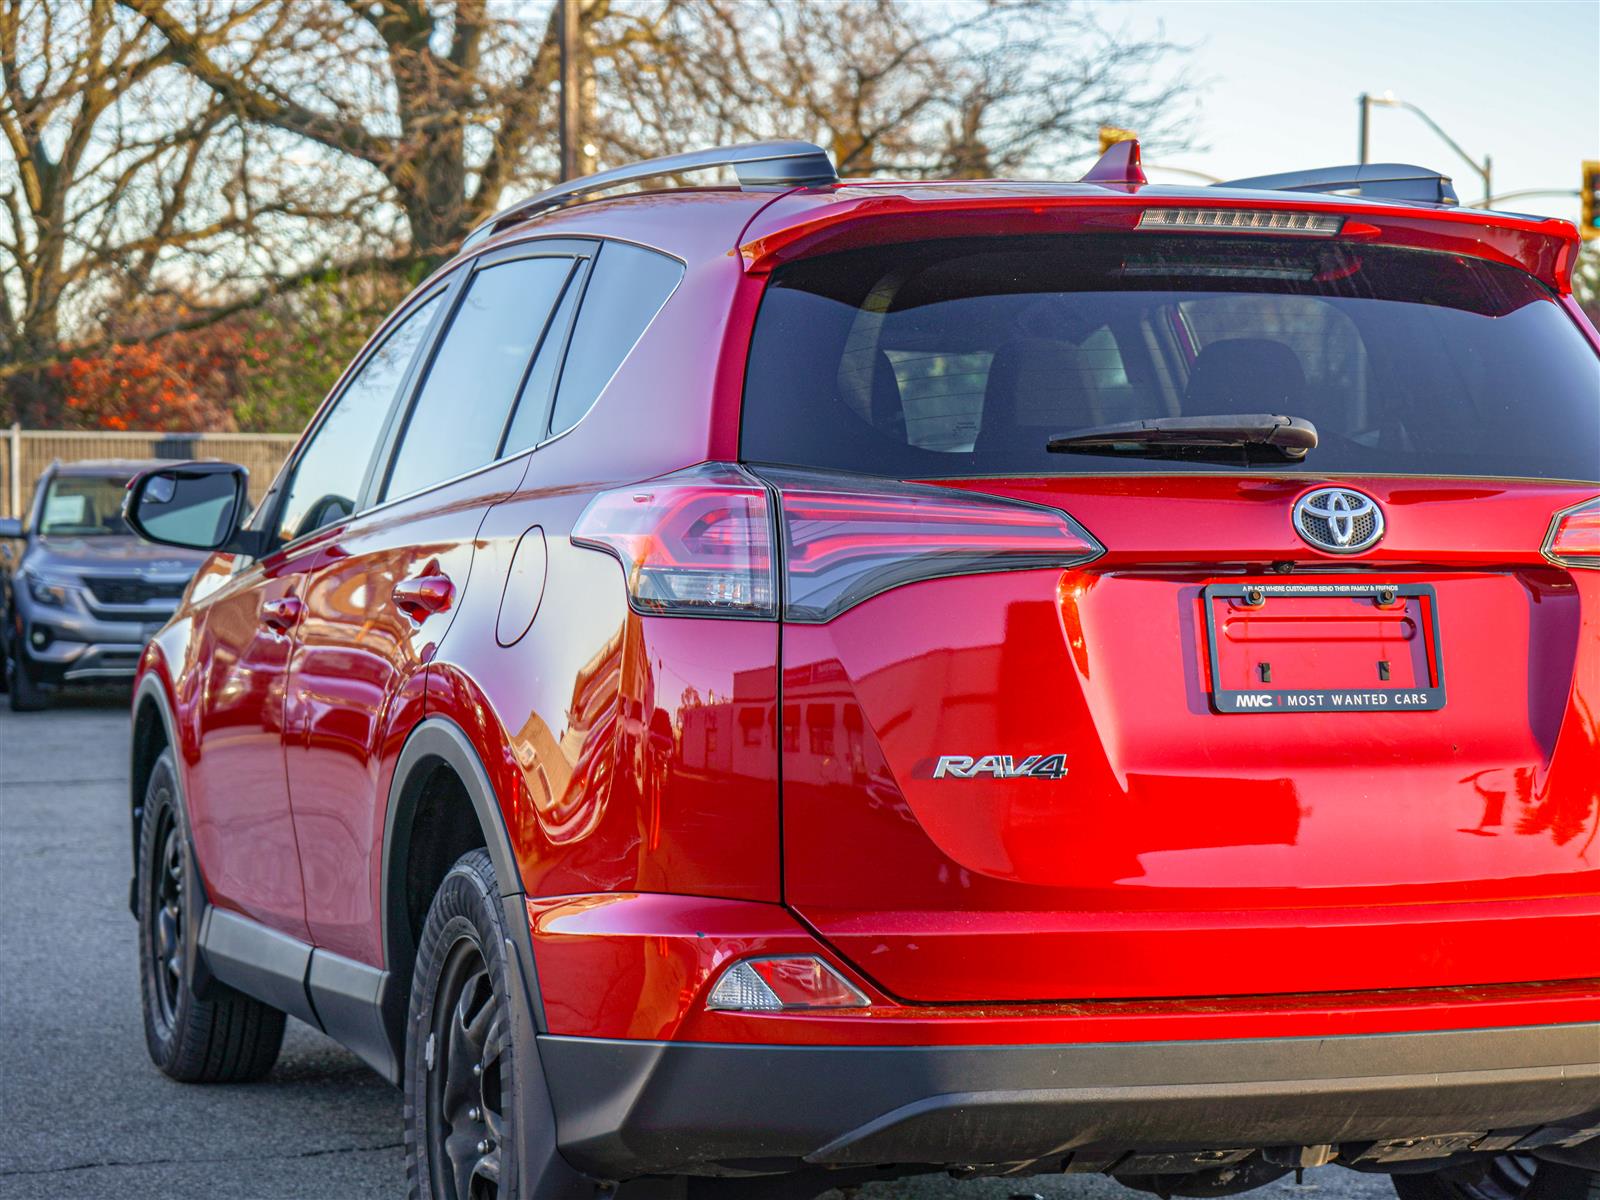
(700, 542)
(696, 543)
(847, 539)
(1574, 538)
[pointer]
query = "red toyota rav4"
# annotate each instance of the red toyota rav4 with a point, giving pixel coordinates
(743, 689)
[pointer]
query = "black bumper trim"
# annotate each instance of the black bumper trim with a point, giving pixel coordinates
(626, 1108)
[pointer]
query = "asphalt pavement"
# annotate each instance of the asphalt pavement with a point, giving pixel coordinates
(83, 1114)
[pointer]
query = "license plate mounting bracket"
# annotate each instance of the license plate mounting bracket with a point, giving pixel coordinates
(1411, 601)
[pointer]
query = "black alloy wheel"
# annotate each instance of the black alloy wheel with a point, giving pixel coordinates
(166, 915)
(466, 1109)
(462, 1069)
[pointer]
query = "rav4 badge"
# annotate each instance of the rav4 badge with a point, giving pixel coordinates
(1001, 766)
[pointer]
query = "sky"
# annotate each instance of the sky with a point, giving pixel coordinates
(1517, 81)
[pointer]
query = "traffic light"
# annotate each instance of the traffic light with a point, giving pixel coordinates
(1110, 135)
(1590, 224)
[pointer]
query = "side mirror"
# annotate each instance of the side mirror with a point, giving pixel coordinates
(197, 505)
(10, 527)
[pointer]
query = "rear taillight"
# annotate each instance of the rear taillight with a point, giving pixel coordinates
(1574, 537)
(696, 543)
(847, 539)
(700, 542)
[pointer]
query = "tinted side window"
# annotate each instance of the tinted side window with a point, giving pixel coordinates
(460, 413)
(330, 471)
(626, 288)
(531, 421)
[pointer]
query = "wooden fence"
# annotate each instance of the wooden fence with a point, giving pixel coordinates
(25, 453)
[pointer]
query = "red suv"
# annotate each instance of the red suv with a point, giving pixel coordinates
(746, 689)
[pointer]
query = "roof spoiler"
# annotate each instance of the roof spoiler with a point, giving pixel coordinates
(1119, 166)
(1382, 181)
(757, 166)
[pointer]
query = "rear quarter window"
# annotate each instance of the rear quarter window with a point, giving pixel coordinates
(627, 287)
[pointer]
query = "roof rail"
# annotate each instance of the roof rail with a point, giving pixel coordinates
(1383, 181)
(778, 164)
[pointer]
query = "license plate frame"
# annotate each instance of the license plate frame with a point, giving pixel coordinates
(1267, 699)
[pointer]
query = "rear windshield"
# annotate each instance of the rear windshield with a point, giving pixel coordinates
(964, 357)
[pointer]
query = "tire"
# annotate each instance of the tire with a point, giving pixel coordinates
(1504, 1177)
(25, 694)
(225, 1037)
(1557, 1181)
(461, 1078)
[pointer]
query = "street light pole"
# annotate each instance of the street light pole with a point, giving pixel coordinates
(1484, 170)
(1365, 101)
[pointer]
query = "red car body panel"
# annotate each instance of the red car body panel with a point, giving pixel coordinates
(638, 965)
(682, 792)
(356, 689)
(1187, 853)
(234, 673)
(614, 789)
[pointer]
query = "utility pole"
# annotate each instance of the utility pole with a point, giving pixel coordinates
(571, 98)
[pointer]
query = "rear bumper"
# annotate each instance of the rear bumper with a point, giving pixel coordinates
(629, 1108)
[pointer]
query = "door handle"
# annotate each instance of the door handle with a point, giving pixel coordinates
(282, 614)
(423, 596)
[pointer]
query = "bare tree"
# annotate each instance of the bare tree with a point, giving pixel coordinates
(77, 170)
(444, 103)
(125, 181)
(449, 103)
(966, 90)
(172, 161)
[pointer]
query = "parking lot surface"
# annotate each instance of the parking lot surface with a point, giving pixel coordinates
(83, 1114)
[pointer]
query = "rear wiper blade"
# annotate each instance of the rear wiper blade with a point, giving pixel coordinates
(1254, 436)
